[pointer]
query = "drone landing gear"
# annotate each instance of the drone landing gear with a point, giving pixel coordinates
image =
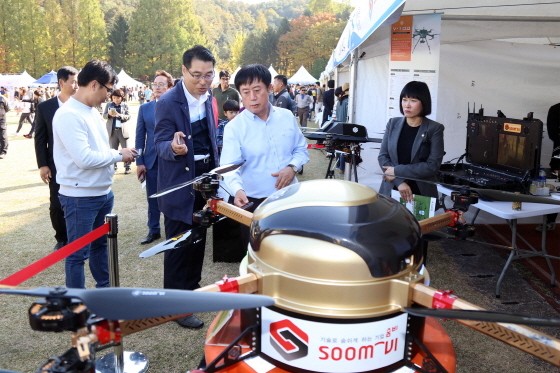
(232, 354)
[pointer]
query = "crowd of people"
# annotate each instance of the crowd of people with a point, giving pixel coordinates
(184, 129)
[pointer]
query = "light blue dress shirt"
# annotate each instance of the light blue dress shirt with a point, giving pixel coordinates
(266, 146)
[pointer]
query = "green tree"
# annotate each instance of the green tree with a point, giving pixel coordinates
(160, 32)
(58, 35)
(92, 35)
(237, 50)
(260, 23)
(118, 37)
(71, 14)
(320, 6)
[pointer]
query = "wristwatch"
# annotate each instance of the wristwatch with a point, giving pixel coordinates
(293, 168)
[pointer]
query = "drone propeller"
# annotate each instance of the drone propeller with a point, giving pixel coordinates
(487, 316)
(489, 195)
(216, 171)
(184, 239)
(138, 303)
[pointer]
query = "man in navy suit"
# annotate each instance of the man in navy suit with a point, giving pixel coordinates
(147, 163)
(185, 139)
(68, 83)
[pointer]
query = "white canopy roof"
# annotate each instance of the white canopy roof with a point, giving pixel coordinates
(232, 77)
(127, 80)
(302, 76)
(16, 80)
(272, 71)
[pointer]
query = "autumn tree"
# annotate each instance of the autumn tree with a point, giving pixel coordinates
(160, 32)
(92, 35)
(58, 36)
(310, 39)
(236, 49)
(71, 14)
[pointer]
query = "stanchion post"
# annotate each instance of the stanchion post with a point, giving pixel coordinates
(135, 362)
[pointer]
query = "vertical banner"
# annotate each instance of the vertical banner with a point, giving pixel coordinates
(415, 42)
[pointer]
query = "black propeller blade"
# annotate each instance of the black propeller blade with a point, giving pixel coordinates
(138, 303)
(489, 195)
(189, 237)
(489, 316)
(217, 171)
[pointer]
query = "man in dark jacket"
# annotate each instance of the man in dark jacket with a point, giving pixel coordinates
(328, 101)
(4, 108)
(185, 139)
(68, 83)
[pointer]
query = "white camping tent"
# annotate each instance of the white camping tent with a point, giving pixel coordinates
(272, 71)
(126, 80)
(503, 57)
(232, 77)
(216, 79)
(16, 80)
(302, 76)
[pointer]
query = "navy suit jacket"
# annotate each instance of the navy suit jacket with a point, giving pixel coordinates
(172, 115)
(145, 135)
(44, 133)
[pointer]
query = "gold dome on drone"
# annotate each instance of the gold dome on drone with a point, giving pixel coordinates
(335, 249)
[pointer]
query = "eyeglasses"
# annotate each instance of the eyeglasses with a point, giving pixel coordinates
(199, 77)
(109, 90)
(160, 85)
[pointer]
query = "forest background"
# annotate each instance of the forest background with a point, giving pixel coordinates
(143, 36)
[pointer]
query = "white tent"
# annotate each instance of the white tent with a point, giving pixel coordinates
(302, 76)
(232, 77)
(126, 80)
(216, 79)
(273, 72)
(503, 57)
(16, 80)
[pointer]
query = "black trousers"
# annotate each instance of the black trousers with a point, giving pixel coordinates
(182, 268)
(55, 209)
(3, 137)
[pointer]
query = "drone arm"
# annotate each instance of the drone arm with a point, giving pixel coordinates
(449, 218)
(232, 212)
(521, 337)
(246, 284)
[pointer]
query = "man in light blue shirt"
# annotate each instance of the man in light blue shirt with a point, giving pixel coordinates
(266, 137)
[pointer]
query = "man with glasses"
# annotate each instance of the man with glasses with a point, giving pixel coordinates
(185, 139)
(147, 163)
(84, 163)
(224, 92)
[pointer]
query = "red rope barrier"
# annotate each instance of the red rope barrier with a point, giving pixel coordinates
(55, 257)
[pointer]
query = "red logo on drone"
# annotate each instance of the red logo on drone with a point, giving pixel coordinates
(288, 340)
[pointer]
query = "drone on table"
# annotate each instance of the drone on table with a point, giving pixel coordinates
(333, 281)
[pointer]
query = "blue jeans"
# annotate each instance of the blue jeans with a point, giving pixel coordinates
(83, 215)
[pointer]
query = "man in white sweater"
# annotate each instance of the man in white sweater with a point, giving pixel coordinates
(84, 162)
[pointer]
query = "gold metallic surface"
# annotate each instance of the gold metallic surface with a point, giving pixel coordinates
(318, 278)
(317, 193)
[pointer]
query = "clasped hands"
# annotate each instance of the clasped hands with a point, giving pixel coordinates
(403, 188)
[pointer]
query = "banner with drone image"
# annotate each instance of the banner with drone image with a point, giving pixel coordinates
(415, 47)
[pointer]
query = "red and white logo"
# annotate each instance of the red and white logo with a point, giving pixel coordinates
(288, 340)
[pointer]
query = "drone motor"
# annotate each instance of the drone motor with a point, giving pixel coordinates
(57, 315)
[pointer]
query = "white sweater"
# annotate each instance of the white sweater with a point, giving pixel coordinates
(83, 158)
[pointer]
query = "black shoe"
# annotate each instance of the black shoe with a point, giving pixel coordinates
(126, 171)
(191, 322)
(59, 245)
(151, 237)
